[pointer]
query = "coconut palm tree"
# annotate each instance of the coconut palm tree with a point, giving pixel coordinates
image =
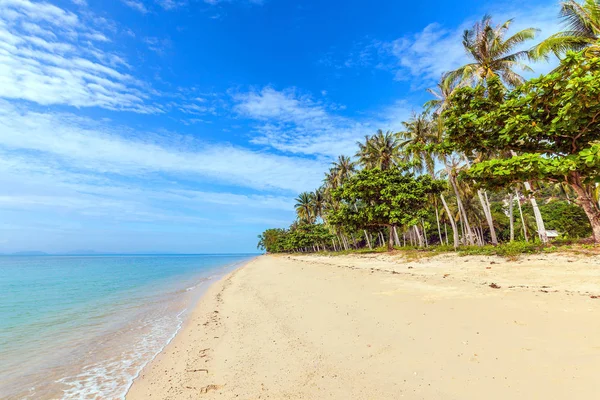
(492, 54)
(304, 207)
(441, 96)
(318, 203)
(344, 167)
(582, 29)
(382, 150)
(414, 139)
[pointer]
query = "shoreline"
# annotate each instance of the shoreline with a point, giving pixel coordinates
(202, 290)
(379, 326)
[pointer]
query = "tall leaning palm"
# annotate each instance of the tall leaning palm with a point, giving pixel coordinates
(492, 54)
(582, 29)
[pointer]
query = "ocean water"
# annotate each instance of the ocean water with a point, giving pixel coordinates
(82, 327)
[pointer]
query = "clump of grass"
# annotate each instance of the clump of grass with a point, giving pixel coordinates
(508, 250)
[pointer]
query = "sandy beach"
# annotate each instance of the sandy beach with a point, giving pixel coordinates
(383, 327)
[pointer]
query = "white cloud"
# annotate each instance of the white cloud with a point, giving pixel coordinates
(81, 144)
(136, 5)
(157, 45)
(171, 4)
(294, 123)
(424, 56)
(43, 59)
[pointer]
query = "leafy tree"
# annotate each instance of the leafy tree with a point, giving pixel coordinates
(552, 124)
(567, 219)
(272, 240)
(387, 198)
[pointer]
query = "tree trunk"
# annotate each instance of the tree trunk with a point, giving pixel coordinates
(588, 203)
(511, 218)
(536, 211)
(396, 238)
(418, 235)
(490, 219)
(522, 218)
(446, 232)
(424, 234)
(367, 238)
(461, 209)
(452, 222)
(487, 211)
(437, 219)
(390, 243)
(538, 215)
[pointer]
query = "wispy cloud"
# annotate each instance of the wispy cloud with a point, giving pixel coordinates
(51, 56)
(171, 4)
(85, 145)
(137, 5)
(157, 45)
(295, 123)
(423, 57)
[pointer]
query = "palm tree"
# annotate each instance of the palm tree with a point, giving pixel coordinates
(492, 55)
(344, 167)
(318, 203)
(442, 93)
(379, 151)
(418, 134)
(582, 23)
(304, 207)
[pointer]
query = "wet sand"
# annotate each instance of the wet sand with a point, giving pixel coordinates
(380, 327)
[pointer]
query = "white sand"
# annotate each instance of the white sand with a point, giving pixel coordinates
(376, 327)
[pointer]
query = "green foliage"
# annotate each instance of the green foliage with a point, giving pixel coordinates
(551, 121)
(567, 219)
(550, 125)
(504, 250)
(302, 236)
(374, 197)
(272, 240)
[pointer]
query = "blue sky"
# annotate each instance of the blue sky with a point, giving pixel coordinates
(191, 125)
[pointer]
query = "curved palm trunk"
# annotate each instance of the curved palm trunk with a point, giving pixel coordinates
(452, 222)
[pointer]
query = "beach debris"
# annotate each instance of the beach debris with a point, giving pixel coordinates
(494, 286)
(594, 297)
(206, 389)
(446, 275)
(488, 267)
(197, 370)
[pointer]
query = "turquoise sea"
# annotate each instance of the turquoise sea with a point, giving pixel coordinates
(82, 327)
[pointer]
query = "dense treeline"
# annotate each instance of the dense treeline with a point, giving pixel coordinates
(491, 158)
